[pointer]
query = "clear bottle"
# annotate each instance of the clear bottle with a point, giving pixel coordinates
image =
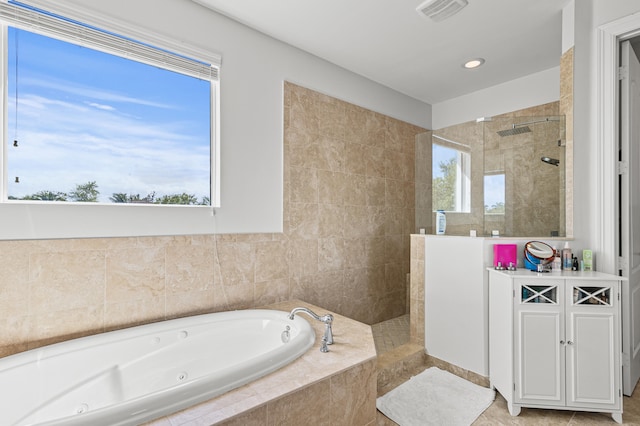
(557, 261)
(567, 257)
(441, 222)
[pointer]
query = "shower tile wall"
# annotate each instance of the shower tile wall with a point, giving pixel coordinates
(533, 190)
(566, 109)
(349, 196)
(533, 193)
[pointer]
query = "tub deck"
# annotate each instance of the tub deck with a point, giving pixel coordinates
(338, 387)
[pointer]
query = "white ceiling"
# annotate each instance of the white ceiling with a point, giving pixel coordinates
(390, 43)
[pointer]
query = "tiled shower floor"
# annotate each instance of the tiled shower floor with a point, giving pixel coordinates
(390, 334)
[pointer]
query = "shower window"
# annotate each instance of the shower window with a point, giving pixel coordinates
(451, 177)
(494, 198)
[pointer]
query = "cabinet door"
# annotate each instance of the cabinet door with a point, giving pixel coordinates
(539, 339)
(592, 347)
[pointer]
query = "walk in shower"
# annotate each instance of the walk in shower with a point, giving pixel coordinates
(504, 174)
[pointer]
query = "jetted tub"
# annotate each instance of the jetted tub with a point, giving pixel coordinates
(129, 376)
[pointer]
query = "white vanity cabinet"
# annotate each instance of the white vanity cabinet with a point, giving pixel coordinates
(554, 340)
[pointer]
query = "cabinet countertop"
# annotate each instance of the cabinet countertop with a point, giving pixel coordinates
(561, 275)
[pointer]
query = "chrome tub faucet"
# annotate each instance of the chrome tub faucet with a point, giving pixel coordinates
(327, 319)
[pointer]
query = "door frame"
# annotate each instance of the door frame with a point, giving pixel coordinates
(609, 37)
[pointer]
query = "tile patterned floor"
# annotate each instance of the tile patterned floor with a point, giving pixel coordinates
(390, 334)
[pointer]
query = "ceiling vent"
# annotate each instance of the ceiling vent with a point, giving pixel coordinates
(439, 10)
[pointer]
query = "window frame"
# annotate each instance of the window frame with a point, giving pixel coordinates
(462, 197)
(42, 219)
(463, 182)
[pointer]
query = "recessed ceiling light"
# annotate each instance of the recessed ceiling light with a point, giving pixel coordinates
(473, 63)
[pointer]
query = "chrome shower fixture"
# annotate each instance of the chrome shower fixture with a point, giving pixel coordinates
(552, 161)
(515, 130)
(519, 128)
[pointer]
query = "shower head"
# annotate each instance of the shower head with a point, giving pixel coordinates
(515, 130)
(549, 160)
(519, 128)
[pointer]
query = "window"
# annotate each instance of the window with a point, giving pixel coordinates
(101, 118)
(105, 120)
(494, 191)
(451, 171)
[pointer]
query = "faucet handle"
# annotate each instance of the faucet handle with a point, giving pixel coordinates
(323, 345)
(328, 333)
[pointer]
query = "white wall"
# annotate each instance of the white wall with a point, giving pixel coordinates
(254, 67)
(535, 89)
(589, 15)
(568, 26)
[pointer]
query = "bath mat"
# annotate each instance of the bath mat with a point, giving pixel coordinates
(435, 397)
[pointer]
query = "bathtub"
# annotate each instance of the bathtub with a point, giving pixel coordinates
(137, 374)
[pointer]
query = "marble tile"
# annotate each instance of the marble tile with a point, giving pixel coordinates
(349, 407)
(46, 328)
(65, 280)
(271, 261)
(236, 262)
(14, 284)
(303, 185)
(127, 313)
(134, 273)
(330, 254)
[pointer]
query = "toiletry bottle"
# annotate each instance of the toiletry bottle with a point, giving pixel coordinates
(567, 261)
(574, 266)
(557, 261)
(441, 222)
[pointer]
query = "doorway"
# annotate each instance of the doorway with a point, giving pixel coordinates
(629, 209)
(618, 150)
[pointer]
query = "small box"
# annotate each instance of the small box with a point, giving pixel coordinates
(506, 254)
(587, 260)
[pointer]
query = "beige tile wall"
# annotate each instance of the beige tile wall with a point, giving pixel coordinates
(349, 195)
(566, 108)
(350, 174)
(417, 313)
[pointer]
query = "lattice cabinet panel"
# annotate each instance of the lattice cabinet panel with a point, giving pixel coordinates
(539, 294)
(592, 295)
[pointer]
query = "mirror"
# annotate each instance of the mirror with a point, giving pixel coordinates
(505, 174)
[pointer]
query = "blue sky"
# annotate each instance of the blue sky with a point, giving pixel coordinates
(83, 115)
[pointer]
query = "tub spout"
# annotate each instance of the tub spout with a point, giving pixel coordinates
(327, 319)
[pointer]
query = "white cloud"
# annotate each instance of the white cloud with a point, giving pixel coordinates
(67, 144)
(101, 106)
(88, 92)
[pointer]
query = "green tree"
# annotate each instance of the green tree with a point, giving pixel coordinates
(444, 187)
(87, 192)
(119, 197)
(123, 197)
(47, 196)
(183, 198)
(497, 208)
